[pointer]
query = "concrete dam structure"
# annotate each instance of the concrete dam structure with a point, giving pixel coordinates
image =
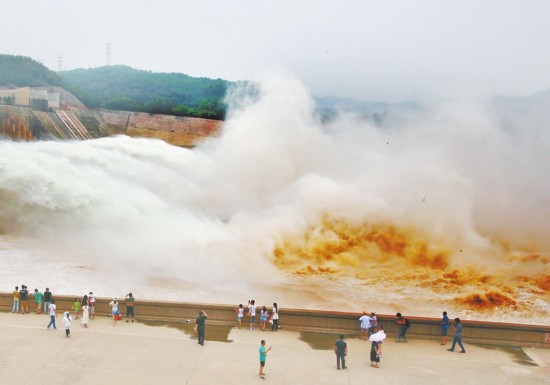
(71, 120)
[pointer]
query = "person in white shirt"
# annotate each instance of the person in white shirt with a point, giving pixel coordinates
(365, 321)
(114, 310)
(240, 314)
(275, 317)
(91, 304)
(252, 313)
(52, 312)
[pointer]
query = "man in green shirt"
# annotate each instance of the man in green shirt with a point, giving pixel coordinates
(129, 307)
(263, 356)
(200, 326)
(38, 299)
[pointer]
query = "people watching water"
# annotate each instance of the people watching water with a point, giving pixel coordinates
(16, 300)
(402, 327)
(91, 304)
(263, 317)
(77, 304)
(200, 326)
(23, 295)
(38, 296)
(85, 311)
(275, 317)
(373, 323)
(444, 328)
(129, 307)
(114, 310)
(240, 314)
(47, 300)
(252, 314)
(365, 325)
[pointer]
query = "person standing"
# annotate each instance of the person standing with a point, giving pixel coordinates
(23, 294)
(16, 300)
(375, 353)
(252, 314)
(402, 326)
(457, 338)
(67, 324)
(77, 304)
(444, 328)
(373, 323)
(200, 326)
(91, 304)
(85, 311)
(365, 324)
(341, 350)
(263, 356)
(275, 317)
(240, 314)
(38, 299)
(114, 310)
(47, 300)
(129, 307)
(263, 317)
(53, 314)
(379, 336)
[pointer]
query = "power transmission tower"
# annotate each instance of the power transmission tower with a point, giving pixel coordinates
(108, 53)
(59, 63)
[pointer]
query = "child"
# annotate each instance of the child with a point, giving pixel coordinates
(375, 353)
(240, 314)
(76, 308)
(263, 356)
(114, 310)
(67, 324)
(263, 317)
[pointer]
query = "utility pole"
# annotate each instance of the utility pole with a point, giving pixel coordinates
(108, 53)
(59, 63)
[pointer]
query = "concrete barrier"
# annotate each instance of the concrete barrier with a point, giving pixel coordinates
(491, 333)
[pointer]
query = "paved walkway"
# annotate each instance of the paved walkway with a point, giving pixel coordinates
(143, 354)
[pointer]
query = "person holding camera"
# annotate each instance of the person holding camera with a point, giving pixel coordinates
(129, 307)
(200, 326)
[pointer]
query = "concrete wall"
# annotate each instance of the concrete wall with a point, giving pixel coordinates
(176, 130)
(492, 333)
(22, 95)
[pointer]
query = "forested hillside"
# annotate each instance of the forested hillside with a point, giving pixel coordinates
(125, 88)
(22, 71)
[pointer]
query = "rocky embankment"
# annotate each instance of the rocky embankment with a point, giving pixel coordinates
(73, 121)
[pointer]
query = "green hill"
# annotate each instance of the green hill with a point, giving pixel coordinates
(125, 88)
(22, 71)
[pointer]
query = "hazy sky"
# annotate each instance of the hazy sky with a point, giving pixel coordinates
(388, 50)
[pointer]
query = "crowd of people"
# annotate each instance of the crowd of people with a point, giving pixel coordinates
(374, 332)
(84, 308)
(370, 329)
(266, 316)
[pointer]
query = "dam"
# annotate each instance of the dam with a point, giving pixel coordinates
(68, 119)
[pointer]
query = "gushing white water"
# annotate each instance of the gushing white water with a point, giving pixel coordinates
(121, 214)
